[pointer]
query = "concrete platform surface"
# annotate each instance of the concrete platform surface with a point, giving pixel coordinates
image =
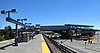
(33, 46)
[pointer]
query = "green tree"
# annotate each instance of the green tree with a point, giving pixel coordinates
(1, 36)
(8, 32)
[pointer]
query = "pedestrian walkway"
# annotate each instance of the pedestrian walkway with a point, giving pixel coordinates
(80, 46)
(36, 45)
(6, 42)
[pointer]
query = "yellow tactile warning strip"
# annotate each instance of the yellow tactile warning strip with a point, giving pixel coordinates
(45, 48)
(5, 41)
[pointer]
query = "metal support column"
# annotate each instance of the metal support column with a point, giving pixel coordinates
(8, 14)
(16, 37)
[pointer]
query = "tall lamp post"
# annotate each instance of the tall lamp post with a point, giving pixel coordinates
(22, 20)
(28, 24)
(13, 11)
(4, 12)
(20, 38)
(16, 38)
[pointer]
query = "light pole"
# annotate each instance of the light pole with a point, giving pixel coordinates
(17, 36)
(28, 24)
(13, 11)
(22, 20)
(20, 38)
(4, 12)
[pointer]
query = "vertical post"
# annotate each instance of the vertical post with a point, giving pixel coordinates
(16, 37)
(71, 39)
(85, 44)
(22, 21)
(98, 37)
(72, 36)
(9, 14)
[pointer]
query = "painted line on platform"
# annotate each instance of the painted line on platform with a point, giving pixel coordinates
(45, 48)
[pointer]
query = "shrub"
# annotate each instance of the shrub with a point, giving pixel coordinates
(1, 38)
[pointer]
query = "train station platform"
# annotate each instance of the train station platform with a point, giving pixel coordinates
(36, 45)
(80, 46)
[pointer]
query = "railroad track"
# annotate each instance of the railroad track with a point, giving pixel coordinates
(56, 47)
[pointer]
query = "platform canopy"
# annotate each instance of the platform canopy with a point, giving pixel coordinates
(65, 27)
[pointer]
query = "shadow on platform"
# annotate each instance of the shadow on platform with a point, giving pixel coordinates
(3, 47)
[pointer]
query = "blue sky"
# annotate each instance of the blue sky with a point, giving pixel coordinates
(53, 12)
